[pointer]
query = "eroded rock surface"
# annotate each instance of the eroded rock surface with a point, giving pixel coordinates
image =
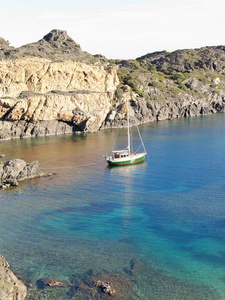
(142, 111)
(10, 287)
(15, 170)
(34, 90)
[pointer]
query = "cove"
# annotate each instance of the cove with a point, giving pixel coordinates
(159, 224)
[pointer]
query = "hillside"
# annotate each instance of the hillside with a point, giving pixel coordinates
(183, 83)
(52, 86)
(196, 72)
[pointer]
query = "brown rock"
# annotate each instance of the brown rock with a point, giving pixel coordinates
(106, 287)
(50, 282)
(99, 285)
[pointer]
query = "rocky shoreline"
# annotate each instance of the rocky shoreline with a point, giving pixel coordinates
(141, 112)
(22, 129)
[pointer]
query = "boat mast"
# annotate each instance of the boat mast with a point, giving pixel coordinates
(128, 128)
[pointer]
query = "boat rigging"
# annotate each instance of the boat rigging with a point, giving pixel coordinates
(125, 157)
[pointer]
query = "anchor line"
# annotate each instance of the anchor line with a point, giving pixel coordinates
(74, 166)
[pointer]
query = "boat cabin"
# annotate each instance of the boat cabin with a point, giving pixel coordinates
(120, 153)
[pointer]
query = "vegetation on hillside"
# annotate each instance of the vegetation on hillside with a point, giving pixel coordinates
(162, 75)
(155, 76)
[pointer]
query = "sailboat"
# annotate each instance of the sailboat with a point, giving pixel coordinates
(125, 156)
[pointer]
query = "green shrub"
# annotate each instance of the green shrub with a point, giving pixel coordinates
(161, 76)
(174, 90)
(156, 84)
(178, 77)
(126, 78)
(204, 80)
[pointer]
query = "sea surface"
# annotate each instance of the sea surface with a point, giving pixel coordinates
(156, 230)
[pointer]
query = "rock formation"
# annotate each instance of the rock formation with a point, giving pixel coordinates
(105, 287)
(100, 285)
(50, 282)
(42, 76)
(34, 90)
(10, 287)
(56, 45)
(45, 89)
(16, 170)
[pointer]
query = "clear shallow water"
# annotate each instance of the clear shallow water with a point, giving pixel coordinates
(167, 213)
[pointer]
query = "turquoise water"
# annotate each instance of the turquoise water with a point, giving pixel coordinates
(166, 214)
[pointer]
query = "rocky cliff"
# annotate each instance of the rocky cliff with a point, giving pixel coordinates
(38, 95)
(11, 288)
(49, 94)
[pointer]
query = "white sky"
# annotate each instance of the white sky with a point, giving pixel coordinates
(117, 28)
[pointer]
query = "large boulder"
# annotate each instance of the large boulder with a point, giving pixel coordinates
(16, 169)
(12, 168)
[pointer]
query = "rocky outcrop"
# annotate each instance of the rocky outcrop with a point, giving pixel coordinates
(142, 112)
(16, 170)
(42, 76)
(105, 287)
(34, 90)
(56, 45)
(11, 288)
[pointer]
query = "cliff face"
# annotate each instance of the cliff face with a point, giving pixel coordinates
(42, 76)
(35, 89)
(142, 111)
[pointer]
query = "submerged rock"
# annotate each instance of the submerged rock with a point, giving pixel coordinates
(106, 287)
(11, 288)
(50, 282)
(135, 266)
(99, 285)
